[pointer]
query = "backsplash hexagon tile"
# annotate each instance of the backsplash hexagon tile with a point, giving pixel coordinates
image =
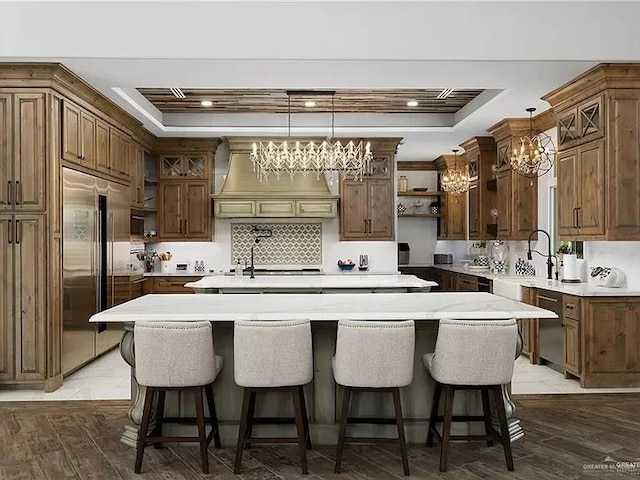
(290, 244)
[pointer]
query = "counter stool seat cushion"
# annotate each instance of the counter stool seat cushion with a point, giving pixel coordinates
(175, 354)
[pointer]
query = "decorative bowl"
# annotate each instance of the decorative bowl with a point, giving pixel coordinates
(346, 266)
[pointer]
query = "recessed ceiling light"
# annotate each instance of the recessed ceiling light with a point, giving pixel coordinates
(309, 104)
(445, 93)
(206, 103)
(412, 103)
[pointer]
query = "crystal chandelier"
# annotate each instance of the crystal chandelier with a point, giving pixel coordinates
(455, 180)
(350, 159)
(536, 153)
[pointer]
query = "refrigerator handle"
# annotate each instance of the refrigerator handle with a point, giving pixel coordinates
(97, 259)
(113, 269)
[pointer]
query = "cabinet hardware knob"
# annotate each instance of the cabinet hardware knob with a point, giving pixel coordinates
(79, 157)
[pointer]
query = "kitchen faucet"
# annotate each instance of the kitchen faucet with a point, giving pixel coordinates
(549, 254)
(260, 234)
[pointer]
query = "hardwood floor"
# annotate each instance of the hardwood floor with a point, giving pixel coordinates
(80, 440)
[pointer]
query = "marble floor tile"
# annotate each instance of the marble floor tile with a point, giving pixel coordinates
(106, 378)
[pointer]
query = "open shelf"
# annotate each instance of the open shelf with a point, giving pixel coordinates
(411, 193)
(420, 215)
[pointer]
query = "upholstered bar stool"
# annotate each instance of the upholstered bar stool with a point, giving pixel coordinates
(471, 355)
(273, 356)
(176, 356)
(373, 356)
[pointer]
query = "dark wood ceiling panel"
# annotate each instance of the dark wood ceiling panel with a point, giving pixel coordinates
(276, 101)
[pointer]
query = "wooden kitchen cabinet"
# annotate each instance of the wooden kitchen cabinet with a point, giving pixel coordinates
(367, 207)
(453, 221)
(580, 191)
(480, 155)
(571, 346)
(516, 195)
(598, 171)
(184, 166)
(23, 169)
(169, 284)
(184, 210)
(466, 283)
(452, 224)
(136, 183)
(119, 151)
(23, 296)
(78, 135)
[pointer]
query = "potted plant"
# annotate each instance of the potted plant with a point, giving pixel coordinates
(562, 249)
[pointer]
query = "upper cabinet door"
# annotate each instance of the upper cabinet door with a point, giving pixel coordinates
(88, 140)
(71, 133)
(475, 231)
(171, 166)
(568, 192)
(381, 211)
(103, 158)
(6, 162)
(197, 210)
(170, 209)
(195, 166)
(29, 152)
(503, 181)
(591, 215)
(353, 210)
(381, 167)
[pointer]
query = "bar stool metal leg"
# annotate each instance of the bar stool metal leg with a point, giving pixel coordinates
(305, 417)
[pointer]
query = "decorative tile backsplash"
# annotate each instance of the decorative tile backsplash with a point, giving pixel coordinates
(290, 244)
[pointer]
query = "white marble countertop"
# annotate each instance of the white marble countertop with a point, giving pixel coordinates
(315, 307)
(175, 274)
(585, 289)
(312, 281)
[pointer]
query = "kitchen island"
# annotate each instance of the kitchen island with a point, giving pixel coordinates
(338, 283)
(324, 311)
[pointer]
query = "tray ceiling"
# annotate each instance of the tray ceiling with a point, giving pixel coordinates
(275, 101)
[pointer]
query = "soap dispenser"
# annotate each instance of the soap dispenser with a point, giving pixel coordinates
(238, 270)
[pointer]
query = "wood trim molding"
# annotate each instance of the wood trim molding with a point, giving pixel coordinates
(183, 145)
(378, 145)
(443, 161)
(601, 77)
(478, 143)
(545, 120)
(415, 166)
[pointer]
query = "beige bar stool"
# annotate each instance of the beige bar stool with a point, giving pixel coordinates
(471, 355)
(176, 356)
(373, 356)
(273, 356)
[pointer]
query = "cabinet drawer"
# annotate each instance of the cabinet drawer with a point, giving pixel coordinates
(235, 208)
(571, 307)
(269, 208)
(466, 283)
(173, 285)
(316, 208)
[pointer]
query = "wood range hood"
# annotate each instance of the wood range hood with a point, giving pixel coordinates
(243, 195)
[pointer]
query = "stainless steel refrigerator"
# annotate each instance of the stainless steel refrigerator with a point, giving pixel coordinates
(96, 268)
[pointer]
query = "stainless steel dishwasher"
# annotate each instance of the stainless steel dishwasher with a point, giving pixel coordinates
(551, 332)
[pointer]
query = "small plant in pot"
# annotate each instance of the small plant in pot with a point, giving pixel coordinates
(562, 249)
